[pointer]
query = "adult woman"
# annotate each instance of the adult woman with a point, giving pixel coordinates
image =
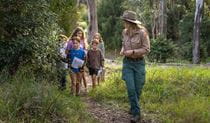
(135, 46)
(83, 44)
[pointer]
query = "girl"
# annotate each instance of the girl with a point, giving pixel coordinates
(76, 63)
(101, 42)
(83, 44)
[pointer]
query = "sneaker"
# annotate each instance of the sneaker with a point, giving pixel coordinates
(135, 119)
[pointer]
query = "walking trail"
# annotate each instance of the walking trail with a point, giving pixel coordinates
(102, 112)
(109, 114)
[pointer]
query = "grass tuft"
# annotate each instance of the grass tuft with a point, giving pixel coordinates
(171, 94)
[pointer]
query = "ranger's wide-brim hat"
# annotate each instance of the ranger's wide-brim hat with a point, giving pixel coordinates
(130, 16)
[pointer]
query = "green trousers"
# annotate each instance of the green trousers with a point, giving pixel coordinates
(133, 74)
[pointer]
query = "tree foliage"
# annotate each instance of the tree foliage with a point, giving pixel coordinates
(67, 14)
(28, 32)
(110, 24)
(162, 49)
(180, 16)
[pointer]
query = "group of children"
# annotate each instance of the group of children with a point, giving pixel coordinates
(78, 54)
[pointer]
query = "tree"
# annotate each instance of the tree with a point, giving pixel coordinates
(110, 23)
(28, 33)
(67, 13)
(196, 32)
(159, 18)
(29, 29)
(163, 18)
(92, 18)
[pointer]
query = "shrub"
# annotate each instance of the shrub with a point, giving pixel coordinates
(162, 49)
(28, 34)
(23, 99)
(110, 24)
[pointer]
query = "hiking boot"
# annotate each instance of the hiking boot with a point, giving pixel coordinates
(135, 119)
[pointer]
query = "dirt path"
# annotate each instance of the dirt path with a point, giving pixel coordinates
(107, 114)
(103, 113)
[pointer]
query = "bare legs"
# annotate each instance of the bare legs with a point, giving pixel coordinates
(94, 80)
(75, 83)
(84, 79)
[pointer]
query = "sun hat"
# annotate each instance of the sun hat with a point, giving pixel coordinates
(130, 16)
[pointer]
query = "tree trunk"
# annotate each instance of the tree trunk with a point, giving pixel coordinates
(196, 31)
(92, 18)
(155, 20)
(163, 18)
(159, 19)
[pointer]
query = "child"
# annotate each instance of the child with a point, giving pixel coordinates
(79, 32)
(101, 42)
(102, 48)
(62, 63)
(77, 59)
(95, 61)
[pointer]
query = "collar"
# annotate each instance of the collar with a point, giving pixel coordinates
(134, 32)
(94, 50)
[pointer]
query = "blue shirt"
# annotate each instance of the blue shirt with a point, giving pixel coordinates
(79, 53)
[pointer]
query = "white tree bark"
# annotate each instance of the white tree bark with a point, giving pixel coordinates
(196, 31)
(92, 18)
(159, 19)
(163, 18)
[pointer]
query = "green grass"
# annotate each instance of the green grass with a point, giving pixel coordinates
(171, 94)
(23, 99)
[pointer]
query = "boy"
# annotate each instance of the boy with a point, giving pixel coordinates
(95, 61)
(77, 59)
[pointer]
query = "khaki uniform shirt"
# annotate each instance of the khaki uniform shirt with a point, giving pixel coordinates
(138, 41)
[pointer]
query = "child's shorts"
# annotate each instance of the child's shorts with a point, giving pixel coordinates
(74, 70)
(93, 71)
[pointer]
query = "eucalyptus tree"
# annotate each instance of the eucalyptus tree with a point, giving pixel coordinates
(92, 19)
(196, 32)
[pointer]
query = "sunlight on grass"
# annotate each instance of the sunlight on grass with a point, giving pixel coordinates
(171, 94)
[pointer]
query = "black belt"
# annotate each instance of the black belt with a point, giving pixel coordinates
(134, 59)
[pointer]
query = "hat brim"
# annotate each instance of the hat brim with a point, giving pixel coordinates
(132, 21)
